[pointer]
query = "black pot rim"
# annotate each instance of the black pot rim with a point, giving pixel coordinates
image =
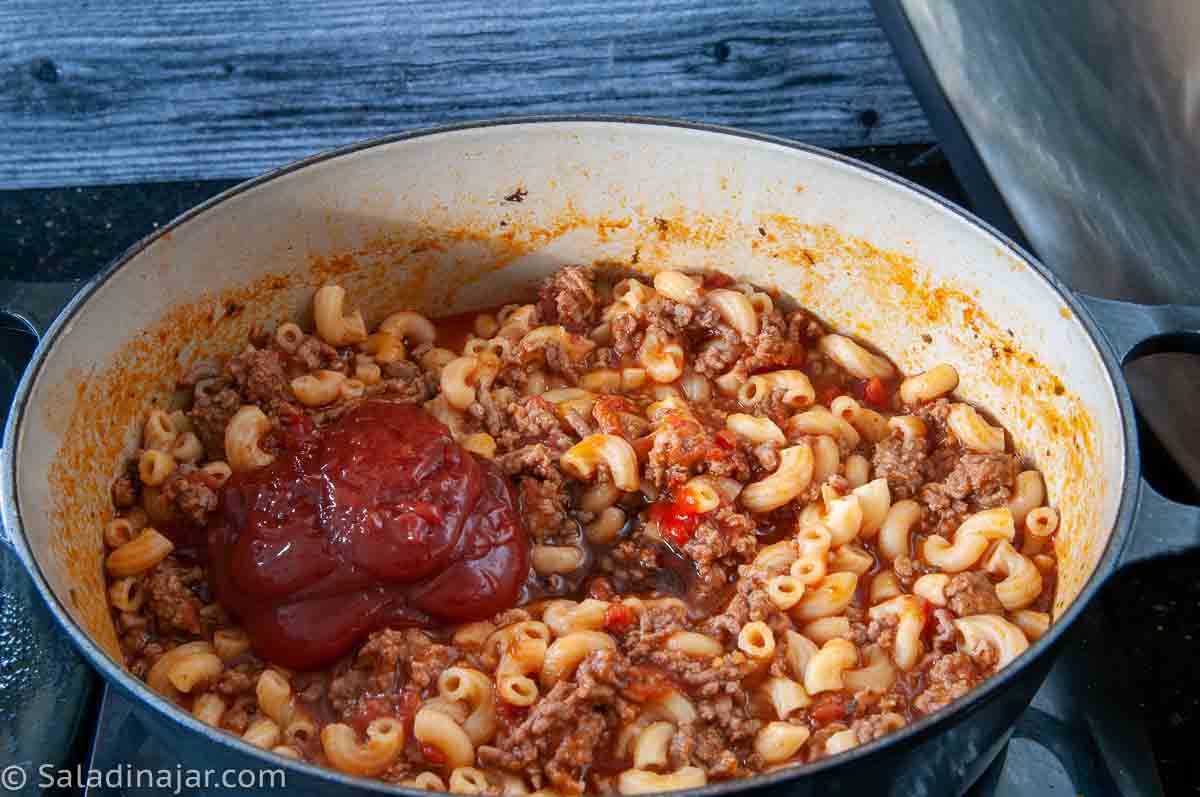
(906, 737)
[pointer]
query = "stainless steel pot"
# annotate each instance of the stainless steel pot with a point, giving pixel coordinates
(463, 217)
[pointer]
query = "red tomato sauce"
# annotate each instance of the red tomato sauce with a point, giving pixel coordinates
(378, 519)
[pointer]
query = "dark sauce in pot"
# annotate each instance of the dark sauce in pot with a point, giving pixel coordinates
(379, 519)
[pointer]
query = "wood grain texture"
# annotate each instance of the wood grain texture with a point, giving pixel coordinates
(111, 91)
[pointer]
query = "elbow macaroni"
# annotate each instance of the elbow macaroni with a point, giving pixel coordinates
(973, 431)
(333, 326)
(385, 739)
(797, 390)
(1022, 580)
(798, 489)
(824, 670)
(791, 478)
(615, 452)
(990, 632)
(779, 741)
(970, 540)
(242, 437)
(441, 732)
(830, 596)
(853, 358)
(938, 381)
(910, 622)
(736, 310)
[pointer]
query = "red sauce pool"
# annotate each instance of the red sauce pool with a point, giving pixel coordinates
(378, 520)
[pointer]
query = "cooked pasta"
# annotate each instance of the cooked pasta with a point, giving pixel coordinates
(563, 547)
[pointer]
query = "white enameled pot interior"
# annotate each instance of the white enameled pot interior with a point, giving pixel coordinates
(470, 218)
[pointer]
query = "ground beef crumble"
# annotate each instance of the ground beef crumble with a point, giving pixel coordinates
(569, 298)
(171, 594)
(699, 579)
(948, 676)
(262, 378)
(563, 730)
(215, 404)
(972, 592)
(192, 492)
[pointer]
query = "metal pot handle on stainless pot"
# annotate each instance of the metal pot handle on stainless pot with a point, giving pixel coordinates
(1161, 527)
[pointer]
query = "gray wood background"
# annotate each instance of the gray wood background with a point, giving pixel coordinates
(113, 91)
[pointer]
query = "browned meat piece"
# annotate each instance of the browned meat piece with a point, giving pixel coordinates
(908, 570)
(872, 727)
(626, 334)
(802, 327)
(239, 679)
(618, 415)
(569, 298)
(210, 414)
(972, 593)
(984, 478)
(766, 455)
(171, 599)
(573, 755)
(975, 481)
(261, 375)
(429, 662)
(534, 420)
(543, 506)
(681, 448)
(902, 463)
(491, 409)
(947, 677)
(315, 354)
(705, 678)
(882, 631)
(935, 415)
(749, 602)
(729, 714)
(941, 513)
(654, 627)
(719, 346)
(566, 727)
(192, 492)
(125, 489)
(385, 663)
(737, 530)
(414, 387)
(633, 565)
(536, 460)
(770, 348)
(707, 748)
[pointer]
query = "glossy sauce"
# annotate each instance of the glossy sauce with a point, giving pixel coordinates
(378, 519)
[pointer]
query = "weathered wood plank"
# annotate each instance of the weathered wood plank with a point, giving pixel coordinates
(110, 91)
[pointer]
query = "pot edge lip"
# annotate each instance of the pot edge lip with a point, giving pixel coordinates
(907, 737)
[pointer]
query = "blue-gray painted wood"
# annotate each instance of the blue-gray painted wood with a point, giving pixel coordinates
(111, 91)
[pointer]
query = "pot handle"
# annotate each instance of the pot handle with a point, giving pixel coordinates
(26, 311)
(1161, 527)
(1135, 330)
(34, 305)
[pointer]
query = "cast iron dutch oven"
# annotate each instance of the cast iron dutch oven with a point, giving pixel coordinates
(469, 216)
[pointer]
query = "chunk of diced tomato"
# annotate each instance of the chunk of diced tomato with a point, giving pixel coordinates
(828, 708)
(877, 393)
(618, 617)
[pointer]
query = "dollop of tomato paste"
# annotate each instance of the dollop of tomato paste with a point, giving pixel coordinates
(379, 519)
